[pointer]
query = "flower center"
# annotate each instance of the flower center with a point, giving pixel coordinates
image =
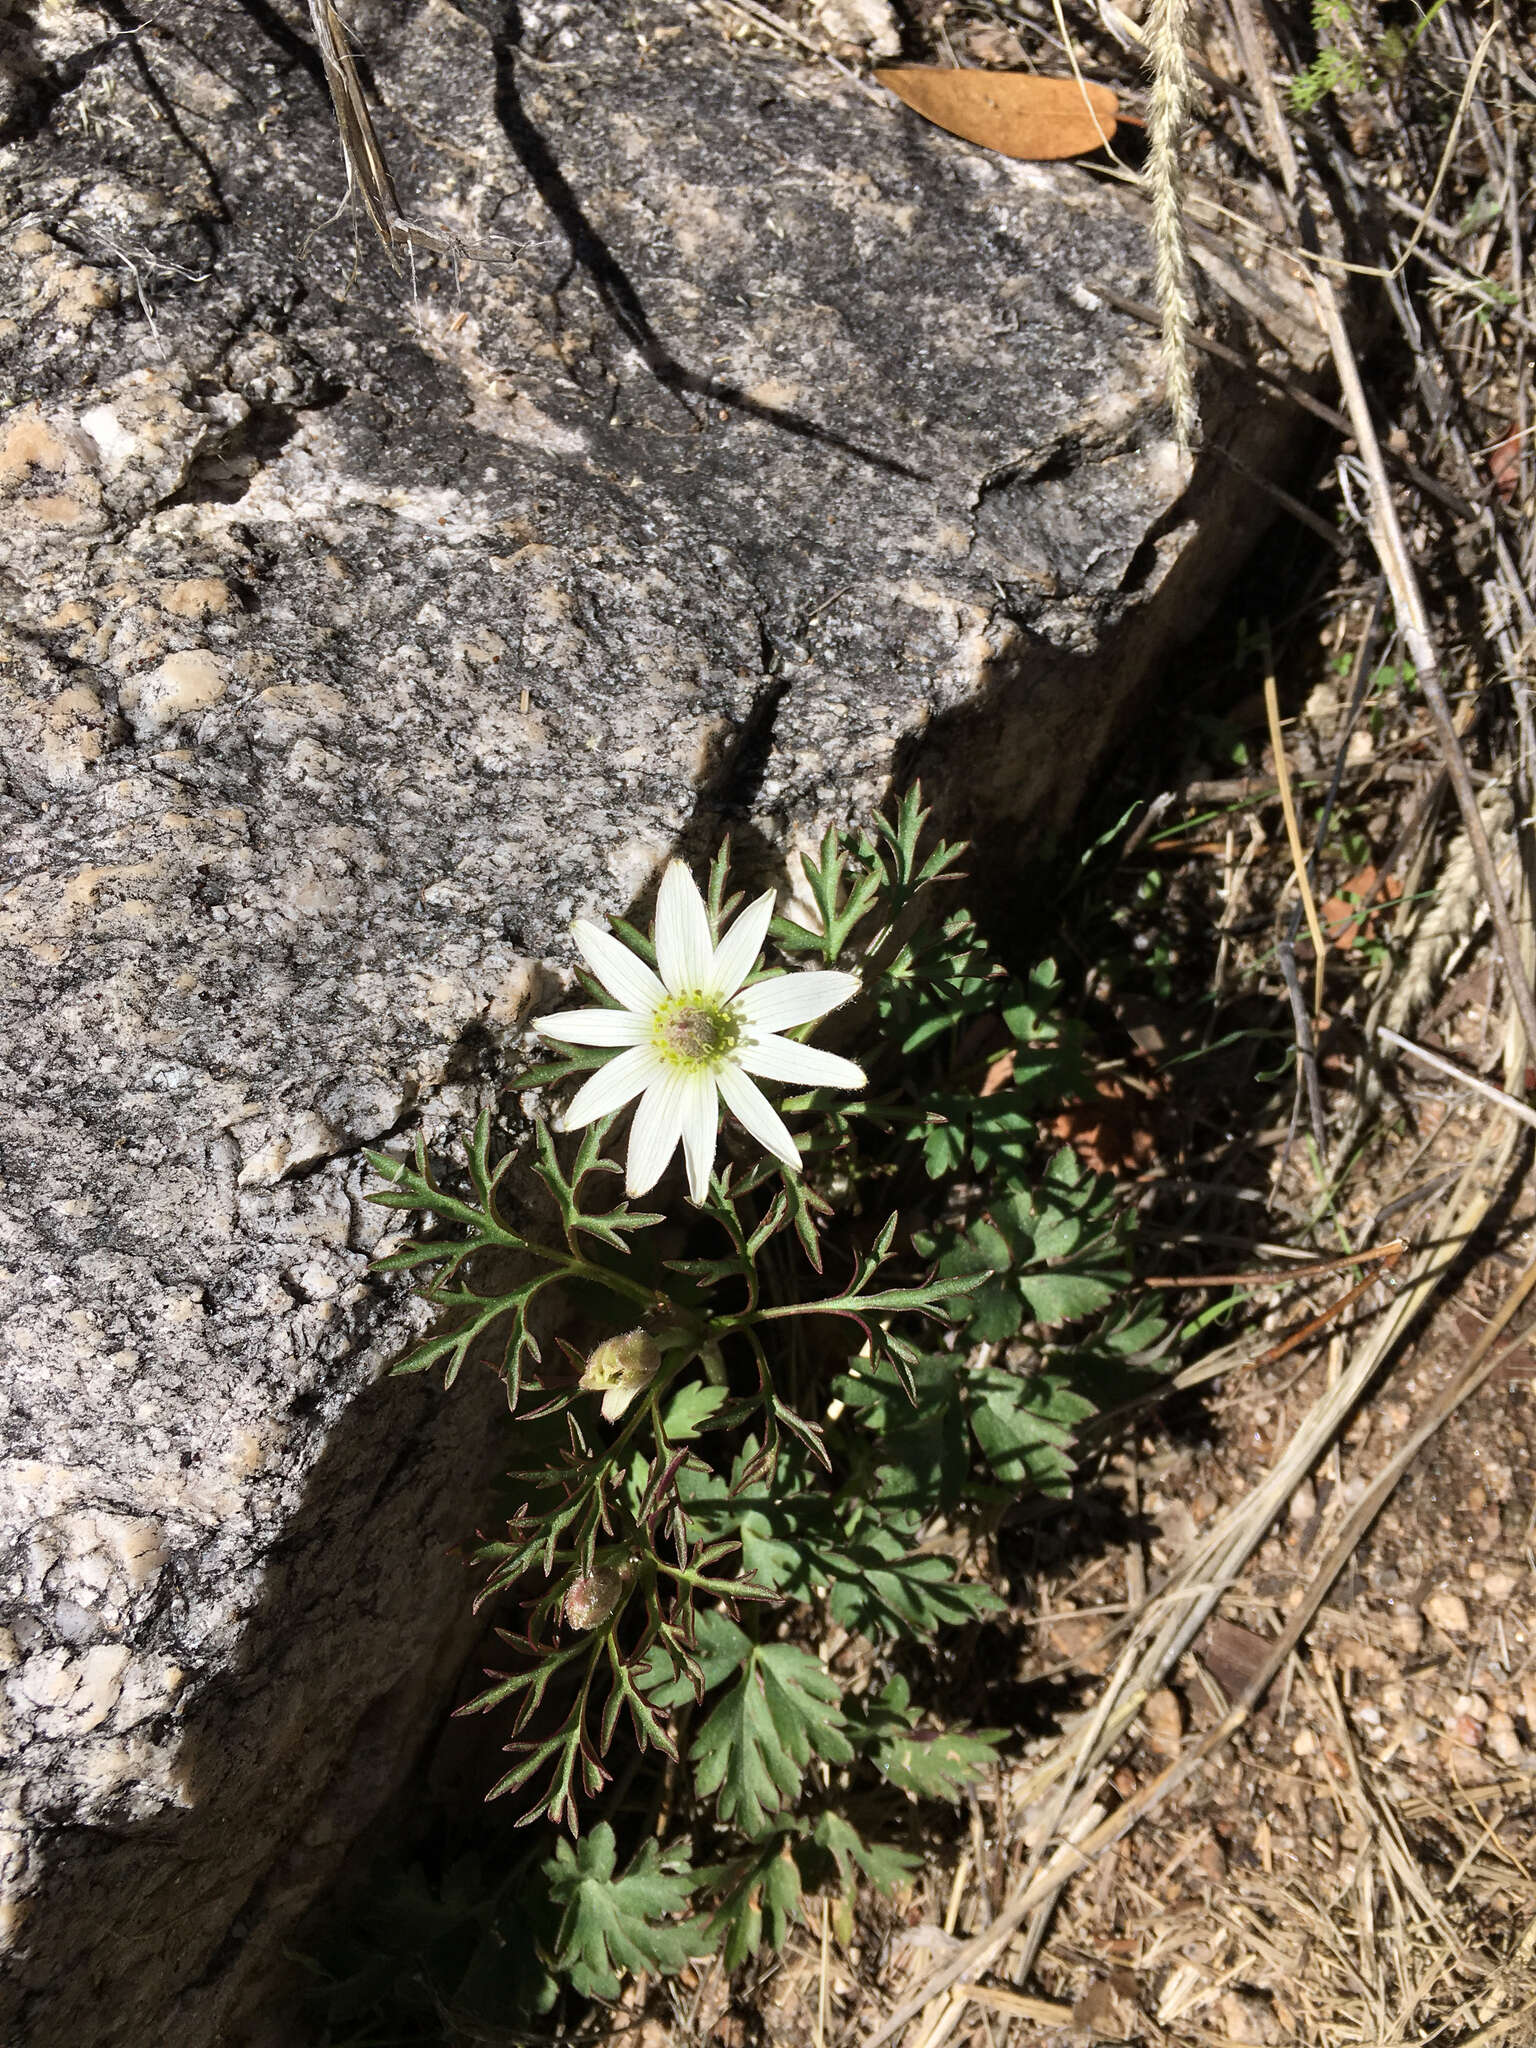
(691, 1031)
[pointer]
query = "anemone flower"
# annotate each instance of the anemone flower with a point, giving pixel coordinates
(687, 1035)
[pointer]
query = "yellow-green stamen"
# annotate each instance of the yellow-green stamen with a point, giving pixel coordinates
(691, 1031)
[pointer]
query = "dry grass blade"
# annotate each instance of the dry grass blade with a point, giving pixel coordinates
(1382, 1254)
(1391, 547)
(1175, 1615)
(1293, 833)
(1040, 2012)
(368, 173)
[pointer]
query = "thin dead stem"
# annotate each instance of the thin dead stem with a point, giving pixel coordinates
(1174, 1617)
(1391, 546)
(368, 174)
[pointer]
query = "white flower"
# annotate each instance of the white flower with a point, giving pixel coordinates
(691, 1035)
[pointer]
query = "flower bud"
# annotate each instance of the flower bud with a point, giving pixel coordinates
(619, 1368)
(590, 1601)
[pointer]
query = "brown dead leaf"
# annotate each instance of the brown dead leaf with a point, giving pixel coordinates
(999, 1074)
(1234, 1656)
(1110, 1134)
(1341, 914)
(1012, 112)
(1503, 463)
(1109, 2010)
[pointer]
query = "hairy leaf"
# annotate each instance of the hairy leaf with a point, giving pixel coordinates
(691, 1408)
(756, 1895)
(755, 1747)
(615, 1926)
(1051, 1253)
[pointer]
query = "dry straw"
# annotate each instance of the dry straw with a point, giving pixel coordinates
(368, 175)
(1077, 1830)
(1167, 117)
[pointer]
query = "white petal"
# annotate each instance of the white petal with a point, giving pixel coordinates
(594, 1027)
(656, 1129)
(791, 999)
(622, 973)
(751, 1107)
(781, 1059)
(684, 948)
(612, 1086)
(736, 954)
(701, 1127)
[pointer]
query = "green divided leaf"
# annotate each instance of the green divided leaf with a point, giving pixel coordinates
(1051, 1254)
(691, 1409)
(1024, 1424)
(756, 1894)
(864, 1555)
(886, 1586)
(883, 1865)
(755, 1747)
(923, 1449)
(613, 1927)
(936, 1764)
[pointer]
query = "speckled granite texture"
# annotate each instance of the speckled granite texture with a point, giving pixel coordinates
(361, 629)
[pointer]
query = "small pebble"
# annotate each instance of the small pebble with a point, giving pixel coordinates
(1499, 1583)
(1303, 1503)
(1304, 1743)
(1474, 1704)
(1447, 1611)
(1408, 1632)
(1503, 1739)
(1164, 1719)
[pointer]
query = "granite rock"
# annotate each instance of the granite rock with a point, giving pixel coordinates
(364, 625)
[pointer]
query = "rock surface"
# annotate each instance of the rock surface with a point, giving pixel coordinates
(363, 627)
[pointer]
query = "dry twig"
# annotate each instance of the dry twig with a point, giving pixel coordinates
(1177, 1613)
(1475, 1082)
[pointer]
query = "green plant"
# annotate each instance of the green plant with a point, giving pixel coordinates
(770, 1413)
(1350, 56)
